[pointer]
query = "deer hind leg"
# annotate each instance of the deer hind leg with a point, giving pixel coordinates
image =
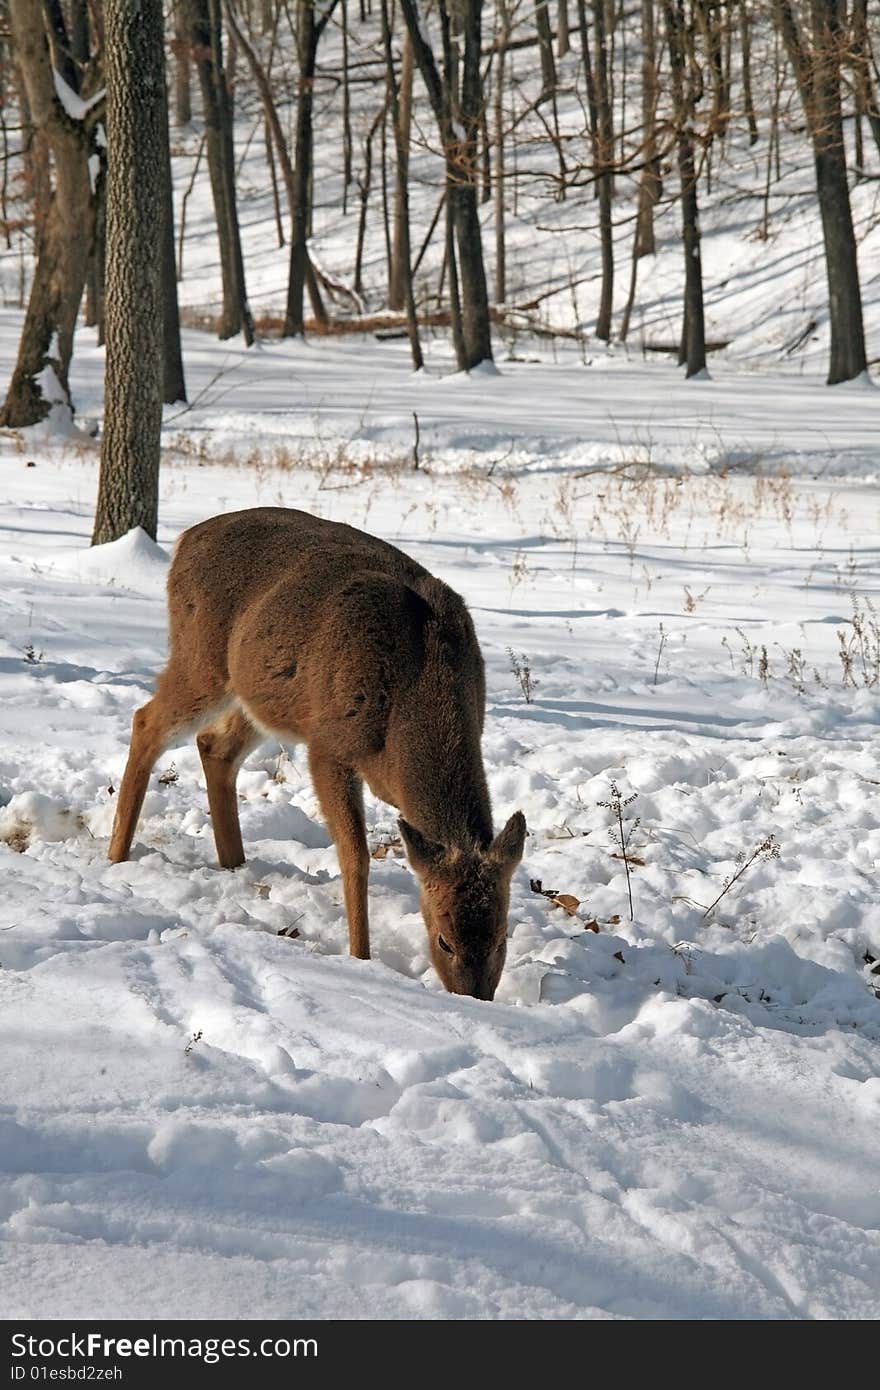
(223, 746)
(340, 792)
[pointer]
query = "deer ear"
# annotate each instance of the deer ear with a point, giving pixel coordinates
(507, 847)
(424, 855)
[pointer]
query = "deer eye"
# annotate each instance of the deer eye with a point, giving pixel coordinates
(444, 945)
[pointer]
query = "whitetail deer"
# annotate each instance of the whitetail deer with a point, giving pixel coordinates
(312, 631)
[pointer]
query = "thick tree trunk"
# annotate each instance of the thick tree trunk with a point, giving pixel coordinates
(40, 379)
(128, 493)
(848, 356)
(816, 62)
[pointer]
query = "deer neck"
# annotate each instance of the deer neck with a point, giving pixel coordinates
(440, 785)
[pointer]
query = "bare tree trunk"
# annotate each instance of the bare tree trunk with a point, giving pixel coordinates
(848, 355)
(763, 230)
(816, 62)
(863, 63)
(745, 33)
(264, 86)
(346, 112)
(4, 128)
(475, 296)
(173, 381)
(383, 171)
(37, 159)
(563, 34)
(459, 125)
(400, 123)
(651, 183)
(59, 43)
(709, 19)
(365, 183)
(205, 29)
(128, 492)
(498, 122)
(451, 267)
(96, 273)
(402, 104)
(651, 186)
(309, 31)
(545, 46)
(80, 41)
(181, 49)
(605, 165)
(80, 52)
(693, 344)
(273, 179)
(40, 379)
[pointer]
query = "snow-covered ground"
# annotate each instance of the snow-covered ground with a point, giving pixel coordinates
(676, 1116)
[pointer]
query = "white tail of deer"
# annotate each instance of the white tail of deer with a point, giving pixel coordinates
(315, 632)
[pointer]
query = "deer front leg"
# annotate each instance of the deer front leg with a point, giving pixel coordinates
(223, 746)
(340, 793)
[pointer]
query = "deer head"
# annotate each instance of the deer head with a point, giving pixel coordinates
(464, 896)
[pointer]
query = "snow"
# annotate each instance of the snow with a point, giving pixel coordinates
(134, 562)
(76, 108)
(671, 1117)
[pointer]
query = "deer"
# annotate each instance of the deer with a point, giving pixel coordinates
(286, 625)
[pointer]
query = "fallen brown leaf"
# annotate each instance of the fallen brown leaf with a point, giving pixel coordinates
(566, 902)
